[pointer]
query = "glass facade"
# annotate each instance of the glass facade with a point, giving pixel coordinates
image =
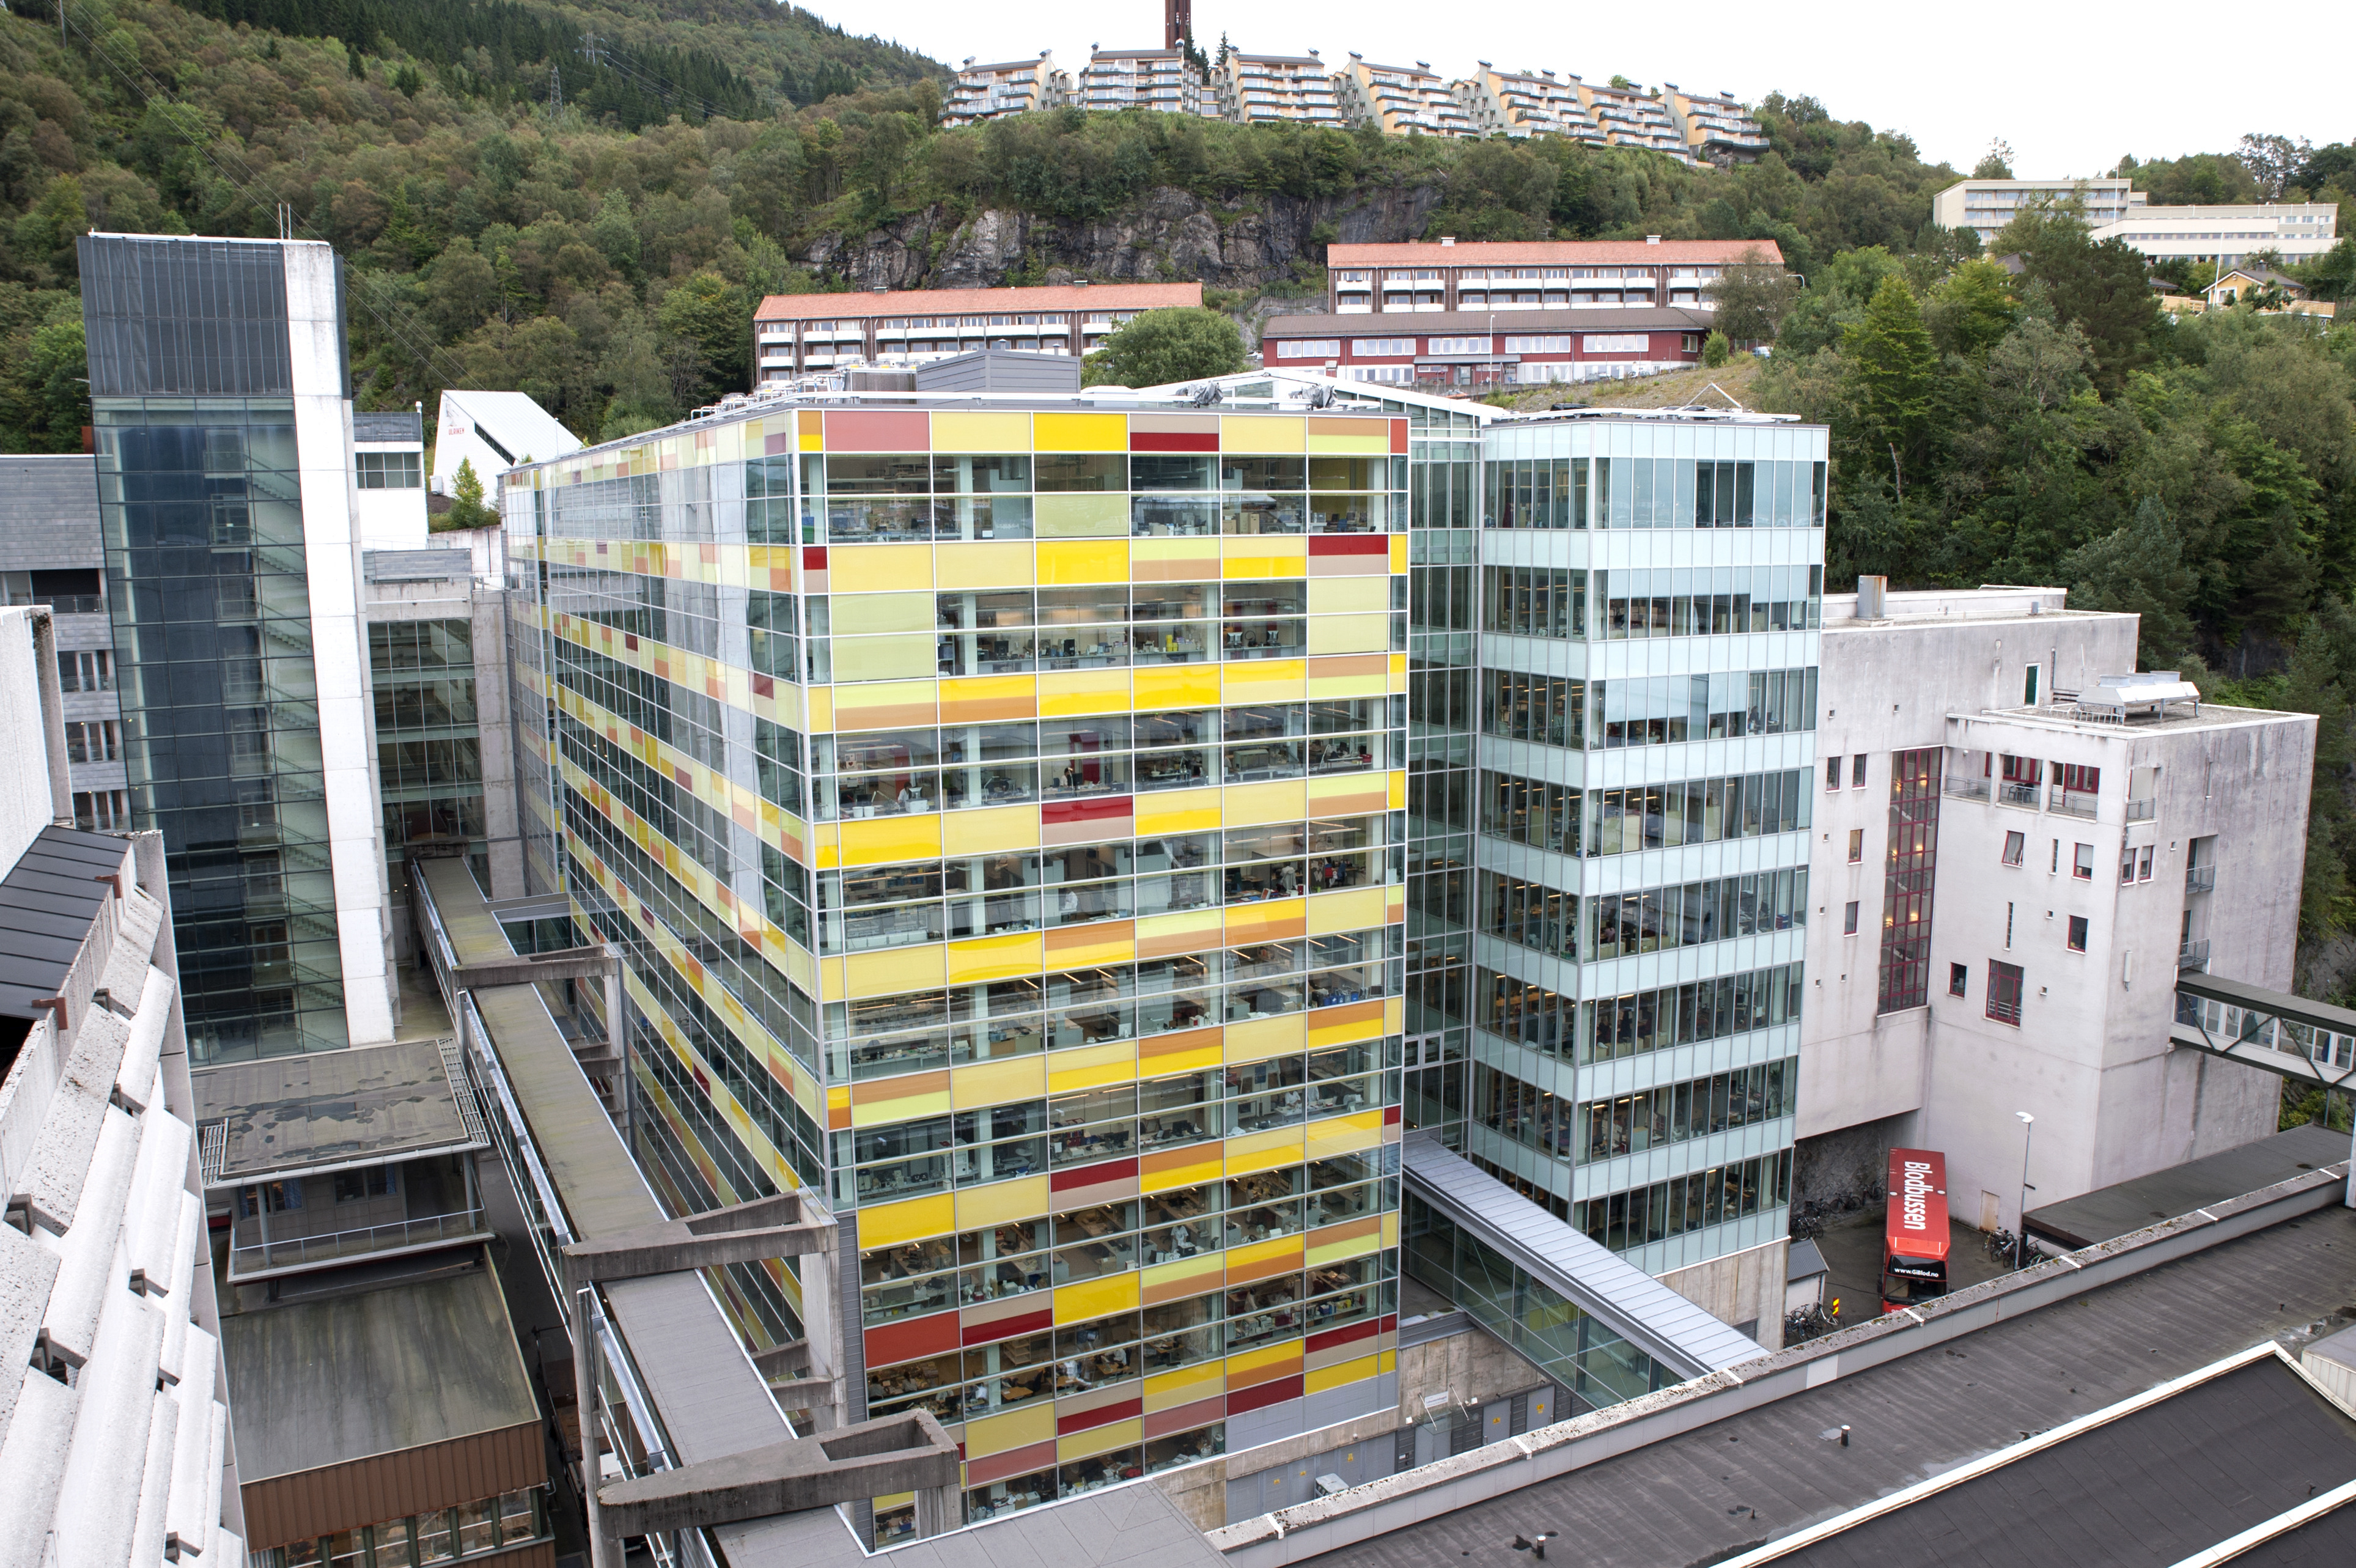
(201, 510)
(1004, 819)
(428, 742)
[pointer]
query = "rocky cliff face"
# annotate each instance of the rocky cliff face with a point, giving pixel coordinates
(1169, 236)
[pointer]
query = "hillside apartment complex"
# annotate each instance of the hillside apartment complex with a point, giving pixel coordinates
(798, 333)
(1410, 99)
(2224, 234)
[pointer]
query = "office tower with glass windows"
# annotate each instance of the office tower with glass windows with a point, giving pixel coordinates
(222, 398)
(1649, 604)
(1000, 808)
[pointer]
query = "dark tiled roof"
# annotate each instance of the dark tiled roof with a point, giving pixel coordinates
(47, 904)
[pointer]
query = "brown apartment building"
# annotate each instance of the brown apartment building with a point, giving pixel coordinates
(793, 333)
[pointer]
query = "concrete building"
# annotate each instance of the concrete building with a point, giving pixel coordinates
(1161, 79)
(1717, 128)
(1986, 206)
(50, 544)
(1399, 100)
(2226, 236)
(1272, 89)
(1524, 104)
(2014, 852)
(1464, 348)
(1632, 117)
(795, 333)
(1009, 87)
(494, 430)
(228, 511)
(113, 1421)
(1556, 274)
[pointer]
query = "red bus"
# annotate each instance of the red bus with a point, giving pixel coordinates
(1914, 1238)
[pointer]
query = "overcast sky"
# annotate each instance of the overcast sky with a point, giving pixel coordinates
(2071, 85)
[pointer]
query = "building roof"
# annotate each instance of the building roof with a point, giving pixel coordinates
(49, 510)
(2185, 1468)
(330, 1110)
(375, 1372)
(1441, 323)
(2112, 1211)
(48, 902)
(517, 420)
(1535, 253)
(1713, 1491)
(900, 302)
(1650, 1314)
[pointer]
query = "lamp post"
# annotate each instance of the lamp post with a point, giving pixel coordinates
(2020, 1246)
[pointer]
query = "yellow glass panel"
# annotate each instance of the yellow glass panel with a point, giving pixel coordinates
(1262, 1038)
(1246, 804)
(1073, 561)
(887, 840)
(1244, 1259)
(1340, 634)
(1099, 1440)
(1375, 446)
(1089, 1298)
(1192, 1174)
(884, 657)
(1066, 693)
(1353, 909)
(1264, 681)
(857, 615)
(994, 1083)
(1082, 433)
(912, 1220)
(996, 958)
(999, 1203)
(1177, 686)
(997, 828)
(1251, 1152)
(1003, 564)
(981, 432)
(1321, 1253)
(1167, 1391)
(1339, 596)
(1263, 433)
(1257, 1359)
(901, 969)
(1324, 1377)
(1091, 1067)
(878, 568)
(1018, 1428)
(1080, 516)
(1175, 810)
(883, 1106)
(1344, 1134)
(1343, 1031)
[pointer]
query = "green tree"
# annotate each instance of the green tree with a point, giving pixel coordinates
(2313, 683)
(1182, 343)
(715, 318)
(467, 506)
(1972, 309)
(1892, 365)
(1995, 162)
(1715, 352)
(1753, 296)
(2138, 570)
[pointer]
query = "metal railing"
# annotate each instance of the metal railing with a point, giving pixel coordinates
(1968, 788)
(297, 1251)
(2193, 955)
(2076, 802)
(2201, 879)
(2143, 810)
(2012, 794)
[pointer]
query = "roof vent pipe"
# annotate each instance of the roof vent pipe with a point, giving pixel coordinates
(1873, 599)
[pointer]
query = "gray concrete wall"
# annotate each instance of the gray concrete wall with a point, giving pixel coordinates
(1744, 1289)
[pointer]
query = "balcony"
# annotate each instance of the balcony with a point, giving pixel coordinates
(2193, 956)
(2143, 810)
(2201, 879)
(1968, 789)
(2076, 802)
(261, 1259)
(2012, 794)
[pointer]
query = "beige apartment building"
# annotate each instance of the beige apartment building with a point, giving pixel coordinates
(1565, 274)
(1400, 99)
(1264, 89)
(1011, 87)
(801, 332)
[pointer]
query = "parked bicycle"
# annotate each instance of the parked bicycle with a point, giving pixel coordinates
(1803, 1324)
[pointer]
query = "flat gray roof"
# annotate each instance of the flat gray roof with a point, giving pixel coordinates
(2112, 1211)
(1650, 1314)
(330, 1110)
(345, 1377)
(1690, 1499)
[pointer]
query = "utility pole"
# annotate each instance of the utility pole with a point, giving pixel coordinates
(2020, 1245)
(555, 91)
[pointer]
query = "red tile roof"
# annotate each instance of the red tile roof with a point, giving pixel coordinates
(1557, 253)
(950, 301)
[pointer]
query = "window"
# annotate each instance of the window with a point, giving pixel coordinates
(2029, 685)
(2004, 991)
(2077, 933)
(102, 811)
(389, 470)
(91, 671)
(2015, 846)
(1849, 918)
(1857, 772)
(1614, 343)
(2081, 862)
(1832, 774)
(2143, 873)
(1959, 979)
(2055, 869)
(1460, 345)
(1310, 348)
(2007, 927)
(1855, 846)
(97, 741)
(2126, 865)
(1910, 864)
(351, 1187)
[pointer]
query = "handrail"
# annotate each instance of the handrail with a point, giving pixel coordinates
(339, 1243)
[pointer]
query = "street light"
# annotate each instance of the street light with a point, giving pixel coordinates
(2020, 1247)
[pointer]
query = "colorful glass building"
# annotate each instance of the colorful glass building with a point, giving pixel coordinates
(1000, 810)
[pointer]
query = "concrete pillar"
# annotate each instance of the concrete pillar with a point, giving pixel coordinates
(938, 1512)
(822, 1327)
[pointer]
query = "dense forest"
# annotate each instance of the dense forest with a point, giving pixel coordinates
(586, 200)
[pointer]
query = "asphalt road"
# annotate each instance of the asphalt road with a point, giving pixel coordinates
(1852, 1249)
